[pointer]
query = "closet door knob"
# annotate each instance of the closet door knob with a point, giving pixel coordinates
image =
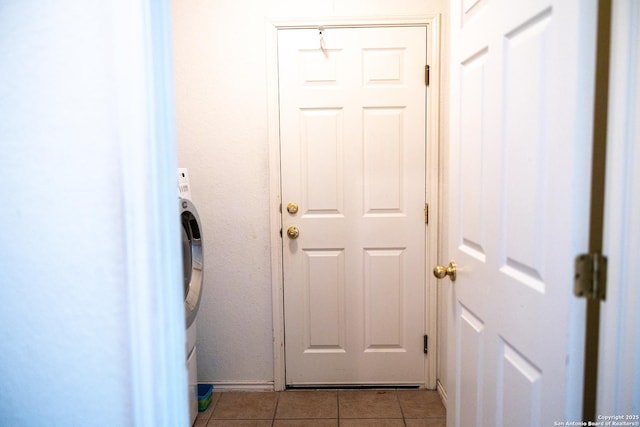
(293, 232)
(440, 271)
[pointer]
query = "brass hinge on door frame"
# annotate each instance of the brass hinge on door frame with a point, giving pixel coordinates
(426, 75)
(426, 213)
(591, 276)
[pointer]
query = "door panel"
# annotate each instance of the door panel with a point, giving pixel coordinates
(515, 224)
(352, 115)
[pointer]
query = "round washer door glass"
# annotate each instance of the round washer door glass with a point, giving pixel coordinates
(192, 259)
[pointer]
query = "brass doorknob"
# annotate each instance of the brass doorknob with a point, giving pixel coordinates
(440, 271)
(292, 208)
(293, 232)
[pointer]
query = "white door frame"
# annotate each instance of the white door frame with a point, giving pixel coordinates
(145, 133)
(619, 342)
(432, 120)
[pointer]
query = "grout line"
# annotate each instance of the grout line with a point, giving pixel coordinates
(338, 403)
(275, 410)
(404, 421)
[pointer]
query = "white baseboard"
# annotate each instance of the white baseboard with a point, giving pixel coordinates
(442, 392)
(223, 386)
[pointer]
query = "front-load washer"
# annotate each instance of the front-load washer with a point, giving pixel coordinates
(193, 264)
(192, 259)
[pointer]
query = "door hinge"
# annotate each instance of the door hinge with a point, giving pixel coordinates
(590, 279)
(426, 213)
(426, 75)
(426, 344)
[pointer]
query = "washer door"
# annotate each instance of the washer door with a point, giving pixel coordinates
(192, 258)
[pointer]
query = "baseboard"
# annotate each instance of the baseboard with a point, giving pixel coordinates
(223, 386)
(442, 392)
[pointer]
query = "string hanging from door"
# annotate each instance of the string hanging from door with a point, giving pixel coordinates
(323, 47)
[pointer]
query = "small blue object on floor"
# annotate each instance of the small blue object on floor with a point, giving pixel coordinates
(205, 394)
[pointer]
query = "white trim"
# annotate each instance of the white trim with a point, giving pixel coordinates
(619, 349)
(275, 200)
(350, 22)
(432, 196)
(442, 393)
(225, 386)
(146, 137)
(432, 24)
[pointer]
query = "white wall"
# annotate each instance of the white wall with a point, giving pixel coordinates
(55, 140)
(221, 86)
(619, 358)
(90, 323)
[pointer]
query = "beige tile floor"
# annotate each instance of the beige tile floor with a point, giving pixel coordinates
(330, 408)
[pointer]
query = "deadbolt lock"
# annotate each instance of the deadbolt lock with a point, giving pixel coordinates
(292, 208)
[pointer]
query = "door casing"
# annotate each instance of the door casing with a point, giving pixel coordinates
(434, 175)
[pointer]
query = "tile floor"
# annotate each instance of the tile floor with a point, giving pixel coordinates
(330, 408)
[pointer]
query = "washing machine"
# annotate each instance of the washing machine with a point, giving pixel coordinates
(193, 264)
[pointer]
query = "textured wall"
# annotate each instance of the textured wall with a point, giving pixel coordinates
(91, 324)
(220, 71)
(63, 339)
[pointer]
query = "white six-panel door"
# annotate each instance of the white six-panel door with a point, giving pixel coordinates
(518, 193)
(352, 127)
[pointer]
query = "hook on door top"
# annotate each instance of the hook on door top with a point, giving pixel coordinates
(323, 47)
